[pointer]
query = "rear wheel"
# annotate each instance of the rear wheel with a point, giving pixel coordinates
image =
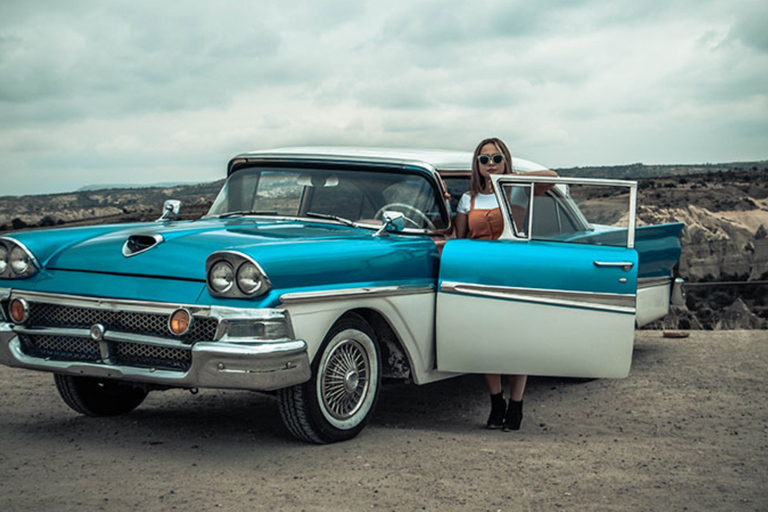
(337, 402)
(99, 397)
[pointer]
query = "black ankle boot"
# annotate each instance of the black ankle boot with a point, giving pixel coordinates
(514, 416)
(498, 406)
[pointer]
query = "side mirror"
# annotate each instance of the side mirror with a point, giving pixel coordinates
(171, 209)
(393, 222)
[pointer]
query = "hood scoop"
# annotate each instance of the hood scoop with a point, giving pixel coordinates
(136, 244)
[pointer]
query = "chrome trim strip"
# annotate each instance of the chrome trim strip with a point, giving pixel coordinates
(81, 301)
(141, 339)
(652, 282)
(619, 303)
(159, 308)
(354, 293)
(5, 294)
(565, 180)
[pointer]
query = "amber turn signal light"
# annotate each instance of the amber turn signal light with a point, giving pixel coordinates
(19, 310)
(179, 322)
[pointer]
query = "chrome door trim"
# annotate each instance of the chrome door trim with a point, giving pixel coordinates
(619, 303)
(356, 293)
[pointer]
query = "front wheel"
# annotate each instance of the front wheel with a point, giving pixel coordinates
(98, 397)
(336, 403)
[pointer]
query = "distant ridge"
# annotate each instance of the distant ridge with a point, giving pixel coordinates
(642, 171)
(104, 186)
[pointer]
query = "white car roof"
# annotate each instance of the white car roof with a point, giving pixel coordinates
(440, 160)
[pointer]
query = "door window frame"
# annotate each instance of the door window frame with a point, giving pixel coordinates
(509, 232)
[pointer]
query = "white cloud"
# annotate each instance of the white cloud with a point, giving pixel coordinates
(144, 91)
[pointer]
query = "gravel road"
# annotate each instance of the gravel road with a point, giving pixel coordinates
(687, 430)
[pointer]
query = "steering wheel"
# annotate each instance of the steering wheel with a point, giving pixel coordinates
(408, 209)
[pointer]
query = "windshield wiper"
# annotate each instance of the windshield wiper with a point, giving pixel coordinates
(331, 217)
(243, 213)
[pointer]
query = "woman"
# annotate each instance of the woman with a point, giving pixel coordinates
(479, 217)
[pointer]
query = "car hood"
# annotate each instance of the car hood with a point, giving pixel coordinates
(181, 249)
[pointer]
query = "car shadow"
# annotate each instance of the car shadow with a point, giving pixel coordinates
(225, 419)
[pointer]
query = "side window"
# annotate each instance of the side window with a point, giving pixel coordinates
(550, 217)
(607, 211)
(585, 213)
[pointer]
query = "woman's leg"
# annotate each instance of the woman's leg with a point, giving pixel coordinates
(494, 383)
(516, 387)
(498, 404)
(514, 414)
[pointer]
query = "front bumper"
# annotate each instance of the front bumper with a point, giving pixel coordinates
(261, 367)
(232, 352)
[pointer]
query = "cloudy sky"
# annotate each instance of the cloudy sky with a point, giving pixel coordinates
(143, 91)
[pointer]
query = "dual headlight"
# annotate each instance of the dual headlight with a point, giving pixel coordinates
(16, 261)
(233, 274)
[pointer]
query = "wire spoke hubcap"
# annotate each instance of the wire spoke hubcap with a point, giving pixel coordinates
(345, 379)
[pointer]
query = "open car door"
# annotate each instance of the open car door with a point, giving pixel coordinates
(555, 294)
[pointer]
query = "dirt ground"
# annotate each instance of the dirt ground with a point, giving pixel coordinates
(688, 430)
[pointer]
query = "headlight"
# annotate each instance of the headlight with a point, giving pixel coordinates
(19, 261)
(221, 277)
(249, 278)
(235, 275)
(15, 260)
(3, 259)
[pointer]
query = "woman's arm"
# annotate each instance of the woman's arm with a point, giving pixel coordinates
(540, 188)
(461, 225)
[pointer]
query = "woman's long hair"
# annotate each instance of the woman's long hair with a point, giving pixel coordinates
(477, 180)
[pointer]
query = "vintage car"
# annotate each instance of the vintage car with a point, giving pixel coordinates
(318, 272)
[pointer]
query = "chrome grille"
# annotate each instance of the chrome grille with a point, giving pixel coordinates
(60, 348)
(151, 356)
(72, 348)
(54, 315)
(122, 353)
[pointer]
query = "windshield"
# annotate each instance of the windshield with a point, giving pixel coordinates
(346, 195)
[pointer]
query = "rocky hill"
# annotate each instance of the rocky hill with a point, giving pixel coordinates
(725, 244)
(724, 208)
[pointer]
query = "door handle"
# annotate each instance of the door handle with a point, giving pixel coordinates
(625, 265)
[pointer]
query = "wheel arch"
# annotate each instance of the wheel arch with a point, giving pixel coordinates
(395, 358)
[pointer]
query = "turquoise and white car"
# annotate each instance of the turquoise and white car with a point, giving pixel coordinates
(319, 271)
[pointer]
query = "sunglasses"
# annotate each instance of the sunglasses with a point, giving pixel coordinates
(485, 159)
